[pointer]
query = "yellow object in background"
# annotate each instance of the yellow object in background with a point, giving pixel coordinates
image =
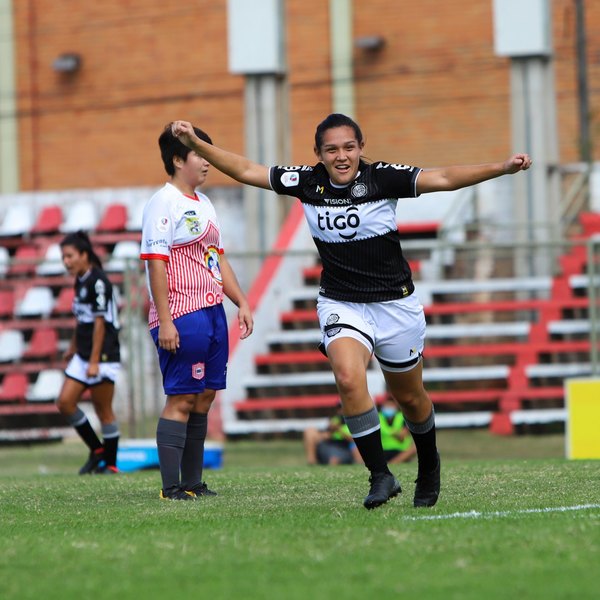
(583, 418)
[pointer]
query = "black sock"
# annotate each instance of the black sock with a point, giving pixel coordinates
(366, 434)
(170, 440)
(110, 435)
(86, 432)
(192, 460)
(371, 451)
(425, 442)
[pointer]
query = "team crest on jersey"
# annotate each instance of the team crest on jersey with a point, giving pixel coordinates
(193, 225)
(331, 319)
(212, 263)
(198, 371)
(162, 224)
(358, 190)
(290, 179)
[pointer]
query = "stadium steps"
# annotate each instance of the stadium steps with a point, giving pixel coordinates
(499, 363)
(31, 263)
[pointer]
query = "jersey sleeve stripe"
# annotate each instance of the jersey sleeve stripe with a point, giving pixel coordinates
(154, 257)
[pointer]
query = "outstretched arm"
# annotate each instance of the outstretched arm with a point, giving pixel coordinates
(454, 178)
(238, 167)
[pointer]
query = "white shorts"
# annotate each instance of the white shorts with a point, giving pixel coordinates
(394, 330)
(77, 370)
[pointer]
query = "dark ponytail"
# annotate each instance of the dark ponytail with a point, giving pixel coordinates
(81, 242)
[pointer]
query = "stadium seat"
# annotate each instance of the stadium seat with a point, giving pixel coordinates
(14, 387)
(46, 387)
(135, 217)
(43, 344)
(4, 261)
(82, 216)
(48, 221)
(113, 220)
(37, 302)
(12, 345)
(52, 263)
(64, 302)
(18, 220)
(25, 261)
(124, 251)
(7, 303)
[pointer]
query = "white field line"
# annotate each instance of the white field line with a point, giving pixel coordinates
(474, 514)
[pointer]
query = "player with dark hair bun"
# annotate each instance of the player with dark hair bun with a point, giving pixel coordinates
(94, 354)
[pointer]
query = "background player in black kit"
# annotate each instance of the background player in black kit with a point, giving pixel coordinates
(94, 354)
(366, 303)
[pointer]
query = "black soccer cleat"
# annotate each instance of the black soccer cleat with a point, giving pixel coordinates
(94, 461)
(427, 490)
(383, 487)
(176, 493)
(201, 490)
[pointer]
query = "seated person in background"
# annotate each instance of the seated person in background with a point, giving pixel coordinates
(396, 440)
(334, 446)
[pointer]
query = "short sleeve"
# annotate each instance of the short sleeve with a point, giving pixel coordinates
(396, 180)
(157, 230)
(286, 180)
(101, 293)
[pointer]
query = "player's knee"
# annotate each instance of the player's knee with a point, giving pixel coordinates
(348, 381)
(183, 403)
(411, 399)
(65, 405)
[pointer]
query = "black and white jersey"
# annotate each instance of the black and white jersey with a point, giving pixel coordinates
(355, 228)
(94, 297)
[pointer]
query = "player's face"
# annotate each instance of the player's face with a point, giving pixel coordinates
(76, 263)
(340, 153)
(194, 170)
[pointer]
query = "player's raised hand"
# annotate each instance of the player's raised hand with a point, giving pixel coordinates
(516, 163)
(183, 131)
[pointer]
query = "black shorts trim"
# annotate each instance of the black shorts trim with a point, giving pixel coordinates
(327, 328)
(90, 385)
(400, 365)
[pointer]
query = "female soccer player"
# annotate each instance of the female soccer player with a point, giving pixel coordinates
(188, 276)
(366, 303)
(94, 354)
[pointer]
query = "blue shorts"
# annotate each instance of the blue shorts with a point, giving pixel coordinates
(201, 360)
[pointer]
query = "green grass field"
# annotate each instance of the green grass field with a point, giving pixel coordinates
(515, 520)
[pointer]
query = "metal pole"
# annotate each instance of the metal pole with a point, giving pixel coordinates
(585, 141)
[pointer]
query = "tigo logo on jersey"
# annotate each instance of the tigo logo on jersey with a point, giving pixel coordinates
(290, 179)
(198, 371)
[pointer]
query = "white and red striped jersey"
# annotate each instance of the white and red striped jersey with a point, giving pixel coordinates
(184, 232)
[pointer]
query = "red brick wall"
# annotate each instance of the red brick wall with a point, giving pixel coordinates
(435, 95)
